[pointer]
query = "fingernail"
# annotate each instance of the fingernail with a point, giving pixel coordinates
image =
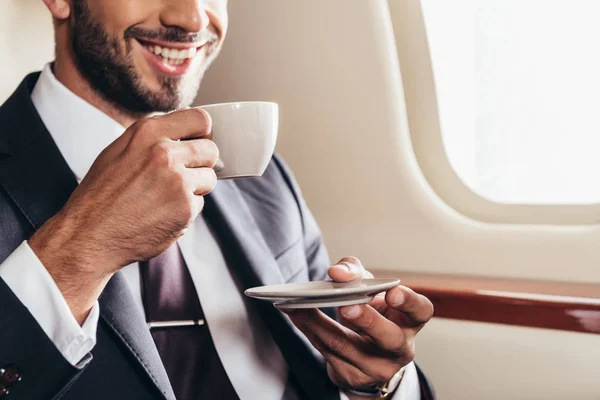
(398, 298)
(219, 165)
(345, 266)
(352, 312)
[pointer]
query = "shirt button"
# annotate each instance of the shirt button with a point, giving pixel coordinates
(9, 375)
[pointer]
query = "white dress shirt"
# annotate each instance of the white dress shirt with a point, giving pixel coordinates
(81, 132)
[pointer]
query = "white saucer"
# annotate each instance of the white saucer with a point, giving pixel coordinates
(327, 302)
(322, 293)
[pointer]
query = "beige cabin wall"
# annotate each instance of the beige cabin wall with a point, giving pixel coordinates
(26, 41)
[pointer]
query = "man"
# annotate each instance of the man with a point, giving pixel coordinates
(129, 284)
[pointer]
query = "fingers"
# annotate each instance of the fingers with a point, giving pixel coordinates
(416, 307)
(195, 153)
(202, 180)
(388, 336)
(348, 269)
(378, 303)
(346, 375)
(329, 337)
(325, 334)
(353, 359)
(190, 123)
(198, 206)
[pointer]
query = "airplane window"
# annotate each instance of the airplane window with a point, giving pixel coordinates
(518, 89)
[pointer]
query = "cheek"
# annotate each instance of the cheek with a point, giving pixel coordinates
(116, 16)
(121, 14)
(217, 12)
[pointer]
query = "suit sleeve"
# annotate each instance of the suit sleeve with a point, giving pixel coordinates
(39, 337)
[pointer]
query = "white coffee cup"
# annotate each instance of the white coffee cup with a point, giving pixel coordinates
(246, 134)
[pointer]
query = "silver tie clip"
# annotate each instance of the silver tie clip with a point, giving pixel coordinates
(171, 324)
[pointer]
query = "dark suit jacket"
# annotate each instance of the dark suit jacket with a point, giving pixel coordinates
(262, 222)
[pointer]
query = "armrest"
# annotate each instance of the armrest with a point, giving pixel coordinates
(541, 304)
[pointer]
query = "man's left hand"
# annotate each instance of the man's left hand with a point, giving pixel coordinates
(372, 342)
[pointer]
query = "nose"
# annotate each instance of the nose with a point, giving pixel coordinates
(188, 15)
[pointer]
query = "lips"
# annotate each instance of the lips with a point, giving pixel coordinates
(171, 60)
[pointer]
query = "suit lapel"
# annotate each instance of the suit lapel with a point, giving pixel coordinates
(230, 215)
(247, 253)
(37, 178)
(35, 174)
(119, 311)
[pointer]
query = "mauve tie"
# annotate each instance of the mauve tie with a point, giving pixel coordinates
(187, 352)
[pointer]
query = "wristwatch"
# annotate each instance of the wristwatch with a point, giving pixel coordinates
(381, 391)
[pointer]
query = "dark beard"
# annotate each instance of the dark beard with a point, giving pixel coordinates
(112, 74)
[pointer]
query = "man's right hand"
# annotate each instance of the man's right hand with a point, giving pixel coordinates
(140, 196)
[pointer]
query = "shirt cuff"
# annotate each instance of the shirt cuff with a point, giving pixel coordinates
(29, 280)
(408, 389)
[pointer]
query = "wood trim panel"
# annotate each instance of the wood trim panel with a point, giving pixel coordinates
(540, 304)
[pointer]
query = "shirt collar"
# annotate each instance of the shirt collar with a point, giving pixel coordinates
(80, 130)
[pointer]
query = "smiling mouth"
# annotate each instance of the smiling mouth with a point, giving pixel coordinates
(177, 54)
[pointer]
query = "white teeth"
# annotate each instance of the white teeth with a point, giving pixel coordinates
(172, 56)
(173, 61)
